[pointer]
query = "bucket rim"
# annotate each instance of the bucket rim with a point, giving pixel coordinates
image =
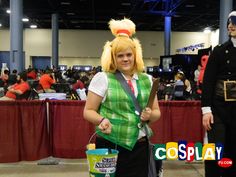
(102, 150)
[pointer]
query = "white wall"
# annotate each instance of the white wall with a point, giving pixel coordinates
(185, 39)
(85, 46)
(214, 38)
(4, 40)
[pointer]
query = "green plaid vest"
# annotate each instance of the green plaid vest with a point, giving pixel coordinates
(119, 109)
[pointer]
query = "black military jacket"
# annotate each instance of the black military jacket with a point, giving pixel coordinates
(221, 66)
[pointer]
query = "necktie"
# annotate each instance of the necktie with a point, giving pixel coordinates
(131, 85)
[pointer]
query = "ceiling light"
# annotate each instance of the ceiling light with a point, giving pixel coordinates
(125, 3)
(70, 13)
(65, 3)
(25, 19)
(190, 5)
(74, 21)
(177, 15)
(8, 11)
(121, 13)
(0, 25)
(33, 26)
(207, 30)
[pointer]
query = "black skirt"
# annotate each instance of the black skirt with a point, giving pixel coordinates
(130, 163)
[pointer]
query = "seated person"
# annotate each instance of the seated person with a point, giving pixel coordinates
(188, 89)
(178, 87)
(32, 74)
(4, 77)
(18, 88)
(12, 79)
(78, 85)
(46, 81)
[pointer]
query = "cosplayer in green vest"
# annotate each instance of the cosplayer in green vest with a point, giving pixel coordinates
(119, 109)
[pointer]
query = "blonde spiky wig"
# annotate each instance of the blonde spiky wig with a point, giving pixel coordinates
(123, 31)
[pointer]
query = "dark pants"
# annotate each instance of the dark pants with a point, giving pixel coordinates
(223, 131)
(130, 163)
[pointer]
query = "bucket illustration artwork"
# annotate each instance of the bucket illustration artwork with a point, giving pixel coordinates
(101, 162)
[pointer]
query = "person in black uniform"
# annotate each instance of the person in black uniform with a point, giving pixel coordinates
(219, 111)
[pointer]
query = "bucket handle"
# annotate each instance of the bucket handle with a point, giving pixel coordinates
(90, 139)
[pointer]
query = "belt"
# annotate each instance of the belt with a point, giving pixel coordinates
(143, 139)
(226, 89)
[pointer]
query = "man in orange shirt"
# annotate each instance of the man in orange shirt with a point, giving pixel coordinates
(46, 80)
(17, 89)
(32, 74)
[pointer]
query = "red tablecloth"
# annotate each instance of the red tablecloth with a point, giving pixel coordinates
(23, 131)
(70, 132)
(24, 134)
(180, 120)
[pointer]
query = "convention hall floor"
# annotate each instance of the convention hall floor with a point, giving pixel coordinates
(78, 168)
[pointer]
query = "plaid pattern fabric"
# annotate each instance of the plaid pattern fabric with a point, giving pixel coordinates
(119, 109)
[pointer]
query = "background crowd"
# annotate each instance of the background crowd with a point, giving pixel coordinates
(73, 82)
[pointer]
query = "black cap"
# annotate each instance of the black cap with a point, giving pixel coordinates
(232, 18)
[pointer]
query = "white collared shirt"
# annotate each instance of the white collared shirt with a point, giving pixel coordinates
(233, 41)
(99, 84)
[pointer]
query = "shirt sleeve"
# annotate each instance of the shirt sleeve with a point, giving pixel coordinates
(99, 84)
(206, 109)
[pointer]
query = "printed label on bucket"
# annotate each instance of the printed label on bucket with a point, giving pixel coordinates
(102, 164)
(106, 165)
